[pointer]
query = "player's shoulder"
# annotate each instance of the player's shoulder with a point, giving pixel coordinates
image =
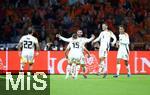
(102, 32)
(126, 34)
(81, 38)
(70, 38)
(32, 37)
(24, 37)
(110, 32)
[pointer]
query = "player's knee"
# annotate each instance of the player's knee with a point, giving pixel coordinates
(118, 61)
(126, 62)
(82, 65)
(102, 58)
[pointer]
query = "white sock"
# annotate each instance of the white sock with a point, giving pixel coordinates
(118, 68)
(21, 67)
(73, 69)
(77, 70)
(67, 71)
(105, 69)
(128, 68)
(101, 67)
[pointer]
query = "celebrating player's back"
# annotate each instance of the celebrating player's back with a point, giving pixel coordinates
(76, 49)
(28, 43)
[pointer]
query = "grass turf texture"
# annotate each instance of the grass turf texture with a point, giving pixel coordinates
(3, 90)
(94, 85)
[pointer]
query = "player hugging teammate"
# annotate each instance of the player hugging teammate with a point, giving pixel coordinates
(76, 50)
(82, 41)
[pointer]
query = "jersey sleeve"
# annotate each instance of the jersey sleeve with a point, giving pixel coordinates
(65, 39)
(36, 41)
(98, 38)
(21, 40)
(87, 40)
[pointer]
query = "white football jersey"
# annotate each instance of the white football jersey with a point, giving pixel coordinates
(76, 48)
(124, 42)
(82, 41)
(104, 39)
(28, 44)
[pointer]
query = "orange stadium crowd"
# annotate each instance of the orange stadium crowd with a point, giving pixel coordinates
(50, 17)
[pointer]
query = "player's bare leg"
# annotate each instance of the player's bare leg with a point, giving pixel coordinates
(128, 68)
(30, 67)
(73, 69)
(102, 67)
(118, 68)
(68, 70)
(84, 70)
(22, 67)
(77, 70)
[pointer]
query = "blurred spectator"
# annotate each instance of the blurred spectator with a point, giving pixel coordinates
(49, 17)
(48, 46)
(147, 47)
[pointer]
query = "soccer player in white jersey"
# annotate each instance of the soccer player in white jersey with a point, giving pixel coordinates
(76, 49)
(27, 44)
(104, 39)
(83, 40)
(123, 51)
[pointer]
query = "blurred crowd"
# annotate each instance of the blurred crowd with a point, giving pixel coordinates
(64, 17)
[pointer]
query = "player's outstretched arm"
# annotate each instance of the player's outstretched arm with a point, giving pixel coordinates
(66, 54)
(19, 46)
(86, 50)
(97, 39)
(90, 39)
(63, 38)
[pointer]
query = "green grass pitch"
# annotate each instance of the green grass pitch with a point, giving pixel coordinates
(94, 85)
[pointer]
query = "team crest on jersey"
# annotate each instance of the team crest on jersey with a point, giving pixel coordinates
(91, 64)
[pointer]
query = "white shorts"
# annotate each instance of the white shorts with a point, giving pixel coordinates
(27, 58)
(103, 53)
(122, 55)
(74, 58)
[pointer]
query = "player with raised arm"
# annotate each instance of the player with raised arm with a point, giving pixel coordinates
(76, 49)
(83, 41)
(123, 51)
(104, 39)
(27, 44)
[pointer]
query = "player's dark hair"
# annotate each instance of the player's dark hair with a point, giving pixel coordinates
(74, 35)
(30, 30)
(123, 26)
(105, 24)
